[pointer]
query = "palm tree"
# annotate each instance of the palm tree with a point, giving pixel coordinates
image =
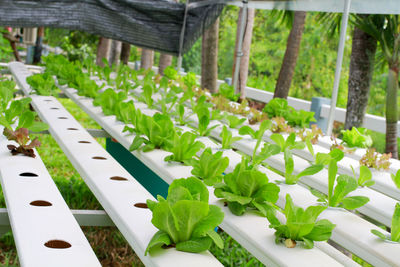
(102, 50)
(244, 61)
(292, 52)
(147, 59)
(386, 30)
(209, 58)
(165, 61)
(125, 53)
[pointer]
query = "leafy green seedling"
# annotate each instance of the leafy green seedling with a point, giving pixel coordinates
(365, 177)
(216, 114)
(395, 229)
(300, 118)
(286, 147)
(234, 121)
(247, 188)
(147, 95)
(357, 137)
(184, 147)
(339, 187)
(396, 179)
(185, 219)
(228, 92)
(227, 139)
(277, 107)
(158, 130)
(109, 100)
(301, 225)
(203, 115)
(123, 111)
(43, 84)
(257, 135)
(182, 120)
(267, 151)
(210, 167)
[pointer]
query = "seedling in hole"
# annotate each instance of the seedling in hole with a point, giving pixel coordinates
(184, 147)
(234, 121)
(185, 219)
(286, 147)
(203, 115)
(247, 188)
(210, 167)
(227, 139)
(395, 229)
(357, 137)
(301, 225)
(257, 135)
(339, 187)
(396, 179)
(373, 159)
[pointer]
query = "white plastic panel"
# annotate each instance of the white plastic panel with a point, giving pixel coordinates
(25, 180)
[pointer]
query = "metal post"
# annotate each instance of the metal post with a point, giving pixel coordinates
(339, 62)
(182, 37)
(239, 52)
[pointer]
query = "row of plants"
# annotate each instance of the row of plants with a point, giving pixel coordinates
(246, 187)
(18, 120)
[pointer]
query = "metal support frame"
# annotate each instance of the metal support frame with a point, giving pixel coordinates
(339, 63)
(239, 52)
(182, 37)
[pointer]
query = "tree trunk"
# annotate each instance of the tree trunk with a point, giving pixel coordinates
(209, 58)
(391, 111)
(165, 61)
(147, 59)
(244, 61)
(292, 51)
(125, 53)
(115, 52)
(13, 42)
(102, 50)
(360, 75)
(38, 47)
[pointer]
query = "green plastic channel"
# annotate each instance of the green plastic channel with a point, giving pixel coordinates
(145, 176)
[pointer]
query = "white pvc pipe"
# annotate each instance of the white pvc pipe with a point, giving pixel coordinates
(339, 63)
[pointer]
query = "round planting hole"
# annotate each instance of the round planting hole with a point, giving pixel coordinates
(41, 203)
(72, 129)
(141, 205)
(84, 142)
(48, 100)
(62, 118)
(54, 108)
(118, 178)
(57, 244)
(28, 174)
(102, 158)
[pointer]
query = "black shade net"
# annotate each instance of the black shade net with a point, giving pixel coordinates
(153, 24)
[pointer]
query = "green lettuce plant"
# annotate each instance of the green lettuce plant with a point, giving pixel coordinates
(357, 137)
(210, 167)
(365, 176)
(109, 100)
(184, 147)
(228, 92)
(277, 107)
(158, 132)
(226, 138)
(43, 84)
(247, 188)
(301, 225)
(300, 118)
(395, 227)
(286, 147)
(339, 187)
(185, 219)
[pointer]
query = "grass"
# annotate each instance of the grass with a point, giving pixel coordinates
(108, 243)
